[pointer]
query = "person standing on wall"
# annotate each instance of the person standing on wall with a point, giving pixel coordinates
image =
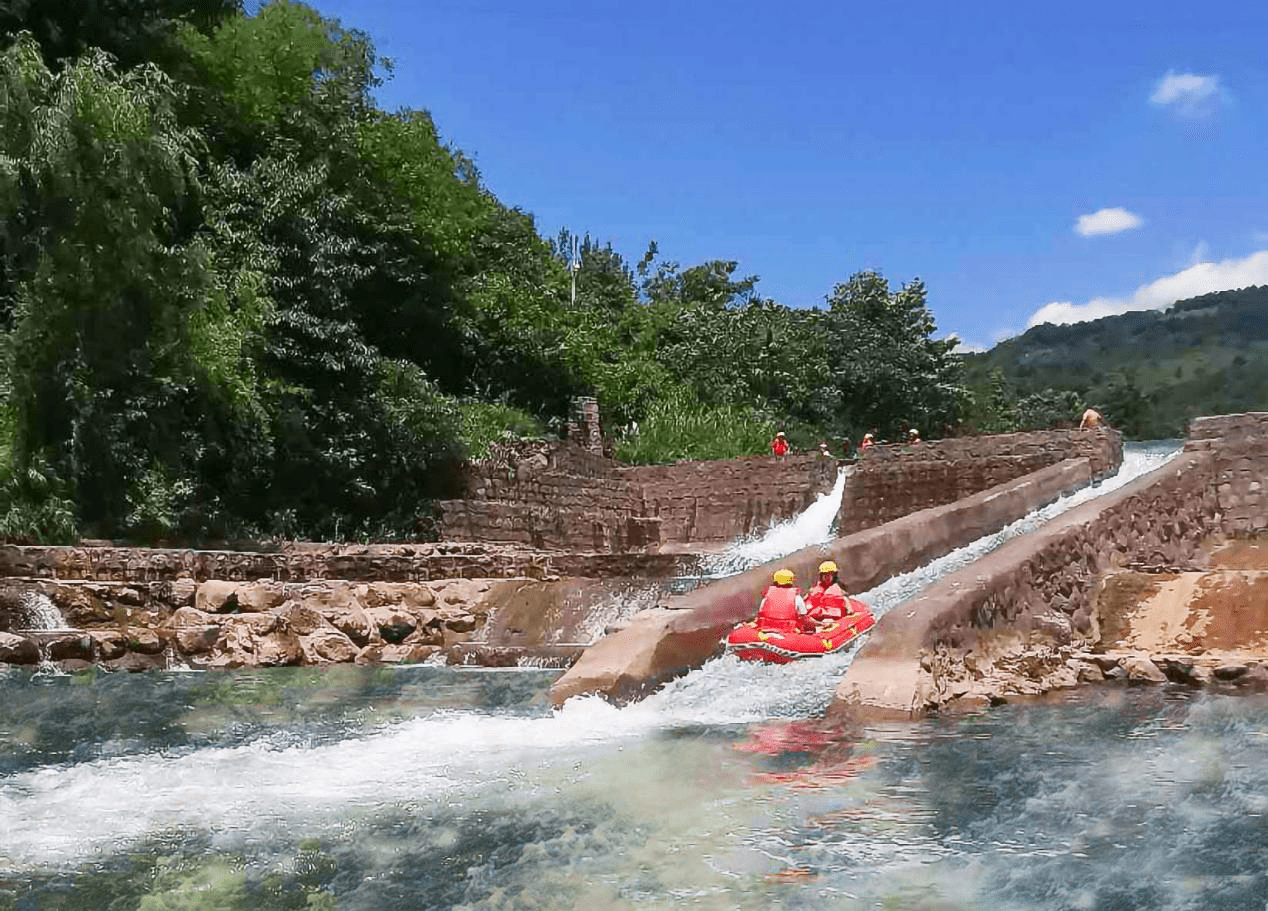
(1092, 419)
(869, 440)
(783, 610)
(779, 445)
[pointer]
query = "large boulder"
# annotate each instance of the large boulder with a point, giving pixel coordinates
(110, 643)
(339, 606)
(18, 650)
(258, 624)
(1140, 669)
(300, 618)
(326, 646)
(144, 641)
(191, 616)
(194, 640)
(281, 649)
(257, 597)
(71, 646)
(217, 597)
(411, 595)
(392, 623)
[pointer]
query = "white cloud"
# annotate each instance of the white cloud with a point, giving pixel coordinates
(1200, 278)
(1187, 93)
(1107, 221)
(1200, 252)
(963, 347)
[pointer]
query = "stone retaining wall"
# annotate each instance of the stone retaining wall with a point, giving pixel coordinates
(559, 496)
(893, 481)
(1239, 443)
(716, 502)
(1030, 600)
(219, 624)
(300, 562)
(663, 642)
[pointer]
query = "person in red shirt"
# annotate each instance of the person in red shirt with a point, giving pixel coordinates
(827, 600)
(869, 440)
(783, 610)
(779, 445)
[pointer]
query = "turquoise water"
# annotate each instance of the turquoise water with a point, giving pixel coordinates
(442, 788)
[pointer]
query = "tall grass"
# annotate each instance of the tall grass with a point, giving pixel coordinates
(679, 426)
(488, 422)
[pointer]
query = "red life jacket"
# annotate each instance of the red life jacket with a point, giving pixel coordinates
(827, 603)
(778, 612)
(779, 446)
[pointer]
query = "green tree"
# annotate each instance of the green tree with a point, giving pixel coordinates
(889, 369)
(131, 31)
(111, 303)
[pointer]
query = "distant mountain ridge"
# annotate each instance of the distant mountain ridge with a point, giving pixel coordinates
(1151, 371)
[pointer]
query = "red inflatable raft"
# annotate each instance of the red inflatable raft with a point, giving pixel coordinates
(751, 643)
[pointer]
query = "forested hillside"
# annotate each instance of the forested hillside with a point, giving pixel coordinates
(1150, 371)
(239, 299)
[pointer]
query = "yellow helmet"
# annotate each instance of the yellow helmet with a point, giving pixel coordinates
(784, 577)
(827, 566)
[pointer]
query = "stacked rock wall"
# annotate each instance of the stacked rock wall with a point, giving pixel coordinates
(1239, 444)
(718, 501)
(893, 481)
(554, 496)
(308, 562)
(220, 624)
(1030, 601)
(560, 497)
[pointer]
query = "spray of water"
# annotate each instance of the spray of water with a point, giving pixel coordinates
(814, 526)
(40, 613)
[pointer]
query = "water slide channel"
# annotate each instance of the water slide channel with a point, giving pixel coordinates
(432, 787)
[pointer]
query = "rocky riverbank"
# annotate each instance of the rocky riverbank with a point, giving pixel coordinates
(221, 624)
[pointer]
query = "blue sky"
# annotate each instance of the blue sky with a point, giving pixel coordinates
(961, 143)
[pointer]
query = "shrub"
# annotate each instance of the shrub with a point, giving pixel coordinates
(679, 426)
(488, 422)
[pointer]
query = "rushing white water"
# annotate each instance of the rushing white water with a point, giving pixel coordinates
(291, 786)
(813, 526)
(616, 609)
(41, 613)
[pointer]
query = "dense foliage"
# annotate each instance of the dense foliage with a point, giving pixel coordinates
(239, 299)
(1150, 372)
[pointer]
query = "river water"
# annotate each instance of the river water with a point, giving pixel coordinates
(427, 787)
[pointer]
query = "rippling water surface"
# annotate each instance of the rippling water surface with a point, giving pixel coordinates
(425, 787)
(439, 788)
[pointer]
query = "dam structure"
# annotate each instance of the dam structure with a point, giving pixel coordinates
(551, 545)
(1038, 528)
